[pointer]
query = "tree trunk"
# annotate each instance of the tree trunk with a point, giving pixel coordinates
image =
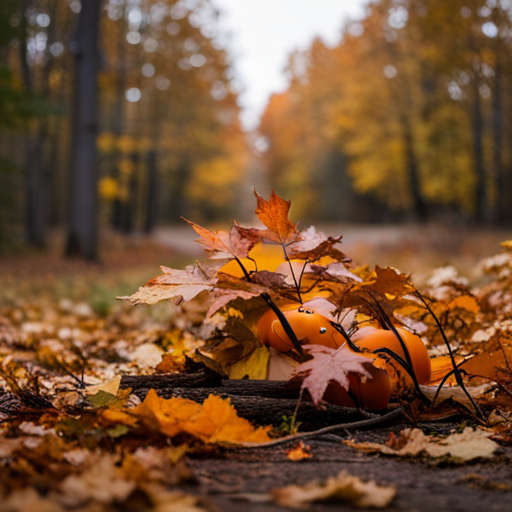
(419, 207)
(480, 195)
(497, 130)
(83, 199)
(152, 193)
(36, 191)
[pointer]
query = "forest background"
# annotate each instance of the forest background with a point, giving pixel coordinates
(123, 115)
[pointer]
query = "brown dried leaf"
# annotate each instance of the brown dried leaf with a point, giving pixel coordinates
(466, 446)
(314, 245)
(223, 244)
(330, 365)
(224, 296)
(389, 281)
(274, 215)
(174, 284)
(342, 488)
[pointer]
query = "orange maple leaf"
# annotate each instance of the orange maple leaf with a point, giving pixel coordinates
(225, 244)
(213, 422)
(329, 365)
(274, 215)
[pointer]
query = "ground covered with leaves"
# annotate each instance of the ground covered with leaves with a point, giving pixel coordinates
(179, 406)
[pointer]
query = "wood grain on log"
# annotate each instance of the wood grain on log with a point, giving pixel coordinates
(264, 402)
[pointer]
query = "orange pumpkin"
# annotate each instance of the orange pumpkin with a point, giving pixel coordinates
(312, 328)
(420, 359)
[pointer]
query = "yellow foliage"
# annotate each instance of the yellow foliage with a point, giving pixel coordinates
(255, 366)
(106, 142)
(108, 188)
(126, 167)
(126, 144)
(213, 182)
(213, 422)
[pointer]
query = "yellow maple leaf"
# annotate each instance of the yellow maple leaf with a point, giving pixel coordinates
(214, 421)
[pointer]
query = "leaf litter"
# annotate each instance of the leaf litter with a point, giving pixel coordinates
(70, 437)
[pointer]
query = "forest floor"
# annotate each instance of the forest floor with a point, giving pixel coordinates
(234, 480)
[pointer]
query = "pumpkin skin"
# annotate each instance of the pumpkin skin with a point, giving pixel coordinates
(381, 338)
(372, 394)
(313, 328)
(309, 327)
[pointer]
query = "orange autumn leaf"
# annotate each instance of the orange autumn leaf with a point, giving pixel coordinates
(274, 215)
(300, 452)
(215, 421)
(224, 244)
(464, 302)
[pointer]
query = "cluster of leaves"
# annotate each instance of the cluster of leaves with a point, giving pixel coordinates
(312, 271)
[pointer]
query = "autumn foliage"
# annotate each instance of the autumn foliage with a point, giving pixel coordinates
(356, 304)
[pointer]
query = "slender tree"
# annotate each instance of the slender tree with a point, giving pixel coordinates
(83, 201)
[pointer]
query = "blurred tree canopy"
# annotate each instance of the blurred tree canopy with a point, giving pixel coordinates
(416, 103)
(408, 116)
(169, 138)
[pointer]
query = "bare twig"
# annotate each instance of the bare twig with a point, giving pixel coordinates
(284, 322)
(456, 371)
(397, 413)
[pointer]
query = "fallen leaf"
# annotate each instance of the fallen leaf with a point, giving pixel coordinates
(255, 366)
(459, 448)
(464, 302)
(343, 488)
(103, 482)
(110, 386)
(330, 365)
(29, 499)
(216, 420)
(300, 452)
(165, 500)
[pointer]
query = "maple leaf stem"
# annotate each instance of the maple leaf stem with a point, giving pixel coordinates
(407, 364)
(284, 322)
(297, 284)
(302, 273)
(456, 371)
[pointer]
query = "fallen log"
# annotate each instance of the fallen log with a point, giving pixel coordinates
(263, 402)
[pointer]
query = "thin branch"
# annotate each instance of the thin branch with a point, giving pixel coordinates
(397, 413)
(297, 286)
(424, 398)
(456, 371)
(284, 322)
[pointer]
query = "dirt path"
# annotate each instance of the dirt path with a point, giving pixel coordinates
(421, 486)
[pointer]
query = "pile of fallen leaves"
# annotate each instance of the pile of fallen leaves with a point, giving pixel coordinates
(71, 438)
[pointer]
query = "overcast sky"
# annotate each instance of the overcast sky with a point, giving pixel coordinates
(264, 32)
